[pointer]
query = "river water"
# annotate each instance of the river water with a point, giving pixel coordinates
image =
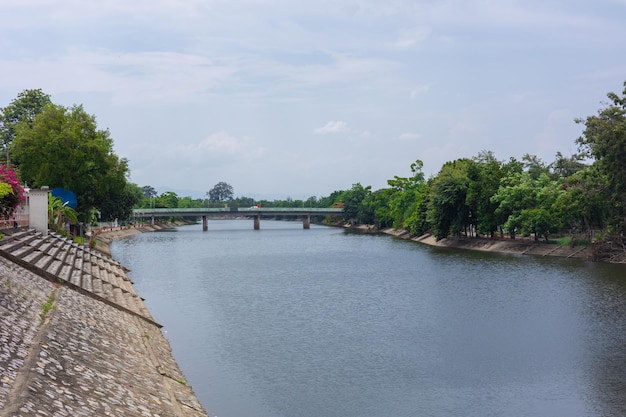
(286, 322)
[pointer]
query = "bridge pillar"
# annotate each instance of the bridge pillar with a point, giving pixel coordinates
(257, 221)
(306, 221)
(205, 224)
(152, 221)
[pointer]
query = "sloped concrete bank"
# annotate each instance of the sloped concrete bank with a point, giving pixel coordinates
(104, 237)
(517, 246)
(76, 340)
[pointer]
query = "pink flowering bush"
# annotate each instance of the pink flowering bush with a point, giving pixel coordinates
(10, 200)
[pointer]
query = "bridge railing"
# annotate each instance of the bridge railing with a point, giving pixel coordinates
(182, 212)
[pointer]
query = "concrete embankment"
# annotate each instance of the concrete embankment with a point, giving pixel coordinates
(76, 339)
(104, 237)
(510, 246)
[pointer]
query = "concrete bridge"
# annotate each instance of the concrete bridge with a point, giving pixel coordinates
(237, 212)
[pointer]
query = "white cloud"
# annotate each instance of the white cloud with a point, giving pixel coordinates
(419, 90)
(412, 37)
(408, 136)
(333, 127)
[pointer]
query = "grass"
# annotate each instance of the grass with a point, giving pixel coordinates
(569, 241)
(49, 305)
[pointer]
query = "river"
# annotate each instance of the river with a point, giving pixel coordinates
(286, 322)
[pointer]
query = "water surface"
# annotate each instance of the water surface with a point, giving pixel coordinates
(285, 322)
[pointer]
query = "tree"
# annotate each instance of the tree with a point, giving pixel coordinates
(406, 198)
(534, 166)
(604, 139)
(484, 173)
(64, 148)
(220, 192)
(168, 199)
(527, 204)
(352, 199)
(148, 191)
(448, 212)
(582, 205)
(564, 167)
(23, 109)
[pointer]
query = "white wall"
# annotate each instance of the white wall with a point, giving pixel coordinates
(38, 204)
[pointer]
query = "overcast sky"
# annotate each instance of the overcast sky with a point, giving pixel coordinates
(287, 98)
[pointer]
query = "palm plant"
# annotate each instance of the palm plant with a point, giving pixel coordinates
(58, 211)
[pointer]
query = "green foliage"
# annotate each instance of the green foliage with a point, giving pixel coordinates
(5, 189)
(23, 109)
(484, 173)
(583, 204)
(63, 147)
(448, 212)
(406, 198)
(148, 191)
(352, 200)
(168, 199)
(220, 192)
(59, 212)
(48, 305)
(604, 139)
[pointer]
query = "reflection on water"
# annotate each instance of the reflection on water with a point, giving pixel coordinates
(291, 322)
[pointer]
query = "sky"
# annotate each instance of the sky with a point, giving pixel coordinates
(293, 99)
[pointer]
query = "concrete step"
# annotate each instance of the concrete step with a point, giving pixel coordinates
(118, 294)
(27, 246)
(86, 283)
(76, 276)
(77, 265)
(10, 239)
(107, 291)
(67, 266)
(97, 287)
(39, 251)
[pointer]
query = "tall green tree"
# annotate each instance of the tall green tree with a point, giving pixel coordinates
(354, 209)
(604, 139)
(168, 199)
(63, 147)
(23, 109)
(448, 212)
(582, 206)
(406, 199)
(528, 204)
(484, 173)
(565, 167)
(221, 192)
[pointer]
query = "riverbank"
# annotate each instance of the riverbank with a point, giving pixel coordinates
(104, 237)
(505, 246)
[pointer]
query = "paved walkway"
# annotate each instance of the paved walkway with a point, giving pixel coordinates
(72, 344)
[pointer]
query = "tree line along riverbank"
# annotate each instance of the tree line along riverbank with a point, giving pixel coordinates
(504, 245)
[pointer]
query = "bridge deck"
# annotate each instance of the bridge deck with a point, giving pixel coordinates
(237, 211)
